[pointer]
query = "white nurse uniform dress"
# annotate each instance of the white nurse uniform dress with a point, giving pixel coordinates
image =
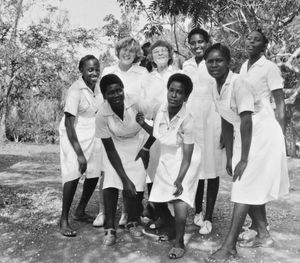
(172, 134)
(82, 103)
(266, 176)
(128, 139)
(207, 121)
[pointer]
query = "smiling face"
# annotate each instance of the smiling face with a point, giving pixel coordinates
(176, 94)
(127, 55)
(90, 72)
(217, 64)
(161, 56)
(198, 45)
(254, 44)
(114, 94)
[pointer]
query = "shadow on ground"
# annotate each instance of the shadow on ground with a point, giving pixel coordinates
(30, 203)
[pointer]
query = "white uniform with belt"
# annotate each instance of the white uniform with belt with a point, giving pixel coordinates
(82, 103)
(207, 121)
(266, 176)
(128, 138)
(172, 134)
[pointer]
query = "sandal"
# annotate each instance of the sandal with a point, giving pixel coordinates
(213, 259)
(134, 229)
(110, 237)
(83, 218)
(68, 232)
(257, 242)
(176, 252)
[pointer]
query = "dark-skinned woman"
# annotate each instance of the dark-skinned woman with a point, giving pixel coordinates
(255, 151)
(122, 138)
(80, 151)
(266, 78)
(174, 182)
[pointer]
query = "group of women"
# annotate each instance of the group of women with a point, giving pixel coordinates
(175, 129)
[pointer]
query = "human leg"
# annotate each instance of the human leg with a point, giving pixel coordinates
(181, 209)
(89, 186)
(198, 220)
(69, 189)
(228, 248)
(99, 221)
(110, 198)
(211, 196)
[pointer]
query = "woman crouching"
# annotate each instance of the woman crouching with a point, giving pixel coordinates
(173, 128)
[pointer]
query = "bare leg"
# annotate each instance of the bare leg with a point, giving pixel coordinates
(211, 196)
(88, 189)
(259, 217)
(69, 189)
(110, 198)
(181, 210)
(228, 248)
(199, 196)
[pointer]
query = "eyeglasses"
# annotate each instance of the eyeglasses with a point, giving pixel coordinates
(160, 50)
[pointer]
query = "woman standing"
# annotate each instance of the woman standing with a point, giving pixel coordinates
(174, 182)
(208, 130)
(79, 149)
(265, 76)
(122, 140)
(255, 150)
(129, 52)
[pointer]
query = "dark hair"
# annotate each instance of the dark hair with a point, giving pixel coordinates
(108, 80)
(144, 47)
(265, 40)
(85, 59)
(222, 48)
(162, 43)
(199, 31)
(184, 80)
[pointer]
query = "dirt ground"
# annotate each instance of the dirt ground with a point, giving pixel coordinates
(30, 204)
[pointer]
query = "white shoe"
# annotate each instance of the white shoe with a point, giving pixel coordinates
(206, 228)
(123, 219)
(99, 220)
(198, 219)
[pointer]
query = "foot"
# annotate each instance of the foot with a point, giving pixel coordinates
(66, 230)
(247, 234)
(199, 219)
(99, 221)
(110, 237)
(134, 229)
(176, 252)
(222, 255)
(84, 217)
(123, 219)
(266, 242)
(206, 228)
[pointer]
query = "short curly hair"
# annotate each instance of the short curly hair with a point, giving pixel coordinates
(184, 79)
(199, 31)
(162, 43)
(129, 42)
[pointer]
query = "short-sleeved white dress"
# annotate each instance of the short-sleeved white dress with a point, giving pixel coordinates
(82, 103)
(266, 176)
(207, 121)
(128, 138)
(172, 134)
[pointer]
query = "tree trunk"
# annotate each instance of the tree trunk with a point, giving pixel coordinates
(3, 123)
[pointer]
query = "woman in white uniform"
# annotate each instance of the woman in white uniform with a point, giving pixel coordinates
(174, 182)
(154, 87)
(208, 130)
(122, 140)
(266, 77)
(79, 149)
(129, 52)
(255, 150)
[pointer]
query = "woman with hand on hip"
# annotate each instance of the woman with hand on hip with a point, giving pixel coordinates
(79, 149)
(208, 130)
(174, 182)
(266, 77)
(255, 151)
(122, 140)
